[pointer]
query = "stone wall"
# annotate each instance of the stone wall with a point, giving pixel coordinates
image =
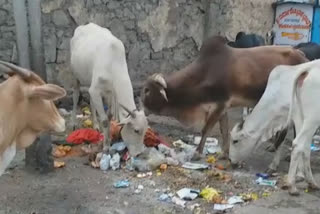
(7, 32)
(159, 35)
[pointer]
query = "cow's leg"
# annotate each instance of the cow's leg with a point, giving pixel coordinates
(94, 115)
(75, 99)
(224, 129)
(213, 118)
(278, 140)
(307, 158)
(299, 158)
(96, 98)
(276, 160)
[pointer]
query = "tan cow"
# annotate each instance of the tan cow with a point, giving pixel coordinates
(26, 110)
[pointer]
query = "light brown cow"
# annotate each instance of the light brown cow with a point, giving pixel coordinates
(26, 110)
(220, 78)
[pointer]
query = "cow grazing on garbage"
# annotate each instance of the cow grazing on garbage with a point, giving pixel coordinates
(291, 90)
(26, 110)
(221, 77)
(98, 61)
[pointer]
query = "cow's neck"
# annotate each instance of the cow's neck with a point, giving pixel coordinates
(11, 116)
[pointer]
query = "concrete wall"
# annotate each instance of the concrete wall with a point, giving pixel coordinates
(159, 35)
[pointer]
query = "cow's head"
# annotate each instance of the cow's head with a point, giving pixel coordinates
(241, 144)
(35, 106)
(154, 96)
(134, 130)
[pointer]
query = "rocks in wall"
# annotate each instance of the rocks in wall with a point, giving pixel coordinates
(170, 22)
(7, 32)
(159, 35)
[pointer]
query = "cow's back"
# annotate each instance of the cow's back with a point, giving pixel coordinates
(251, 68)
(94, 47)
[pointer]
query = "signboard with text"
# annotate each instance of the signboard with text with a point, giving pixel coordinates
(293, 24)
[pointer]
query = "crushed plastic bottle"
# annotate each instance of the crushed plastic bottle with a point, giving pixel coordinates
(105, 162)
(115, 161)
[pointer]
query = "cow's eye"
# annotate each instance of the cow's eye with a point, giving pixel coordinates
(136, 131)
(235, 141)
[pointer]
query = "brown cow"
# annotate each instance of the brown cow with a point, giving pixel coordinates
(221, 77)
(26, 110)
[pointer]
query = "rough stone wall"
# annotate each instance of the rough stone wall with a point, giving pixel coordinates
(228, 17)
(159, 35)
(7, 32)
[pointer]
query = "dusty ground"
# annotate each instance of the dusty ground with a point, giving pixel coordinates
(78, 188)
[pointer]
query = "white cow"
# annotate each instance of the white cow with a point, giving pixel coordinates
(271, 114)
(26, 110)
(98, 61)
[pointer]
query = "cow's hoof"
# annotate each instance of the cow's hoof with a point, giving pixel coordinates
(314, 186)
(293, 191)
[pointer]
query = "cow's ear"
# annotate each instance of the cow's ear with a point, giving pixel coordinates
(125, 121)
(47, 92)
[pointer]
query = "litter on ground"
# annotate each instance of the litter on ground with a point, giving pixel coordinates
(189, 165)
(121, 184)
(188, 194)
(222, 207)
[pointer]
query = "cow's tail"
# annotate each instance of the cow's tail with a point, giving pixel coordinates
(295, 93)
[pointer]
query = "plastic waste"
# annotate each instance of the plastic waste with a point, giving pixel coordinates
(118, 147)
(262, 175)
(188, 194)
(155, 158)
(209, 193)
(235, 200)
(121, 184)
(189, 165)
(172, 161)
(139, 189)
(266, 182)
(165, 150)
(164, 197)
(249, 196)
(105, 162)
(144, 175)
(212, 148)
(138, 164)
(315, 148)
(222, 207)
(197, 140)
(179, 202)
(115, 161)
(193, 206)
(185, 156)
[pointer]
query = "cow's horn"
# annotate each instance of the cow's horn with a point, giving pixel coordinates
(24, 73)
(127, 110)
(163, 93)
(159, 79)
